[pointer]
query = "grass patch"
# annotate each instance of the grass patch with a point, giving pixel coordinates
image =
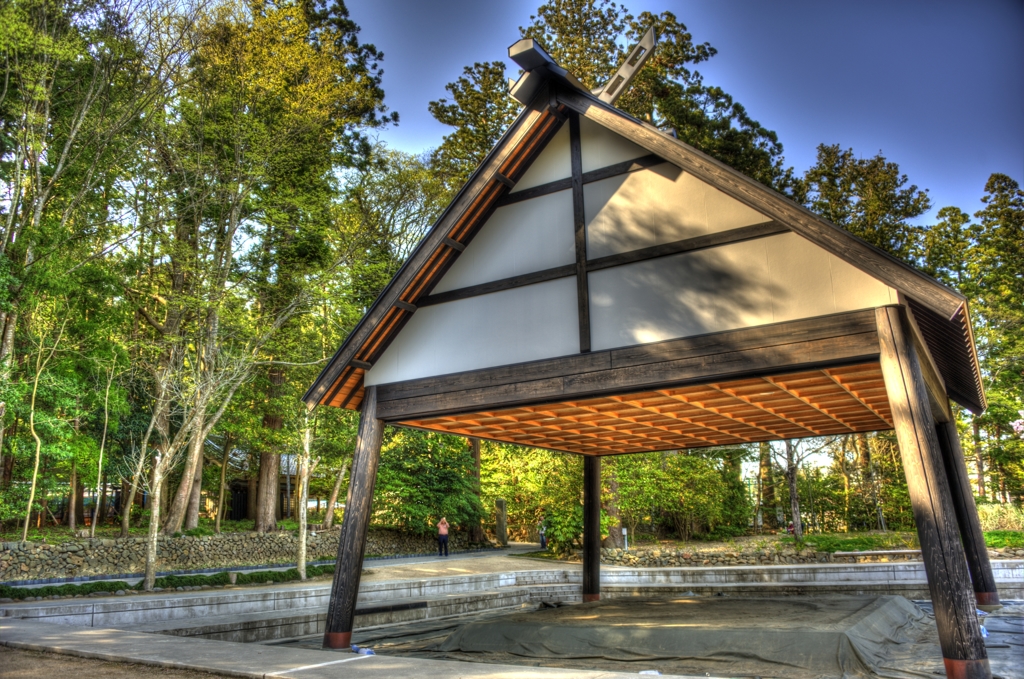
(998, 539)
(546, 554)
(862, 542)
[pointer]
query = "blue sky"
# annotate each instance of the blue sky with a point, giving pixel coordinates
(936, 86)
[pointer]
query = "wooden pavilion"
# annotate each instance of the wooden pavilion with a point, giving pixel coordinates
(599, 287)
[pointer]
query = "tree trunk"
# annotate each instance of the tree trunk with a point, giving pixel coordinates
(288, 487)
(614, 539)
(223, 480)
(252, 497)
(476, 529)
(867, 470)
(266, 508)
(978, 457)
(195, 499)
(154, 522)
(329, 512)
(767, 484)
(794, 494)
(73, 498)
(179, 505)
(101, 511)
(303, 481)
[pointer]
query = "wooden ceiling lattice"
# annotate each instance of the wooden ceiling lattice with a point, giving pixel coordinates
(794, 405)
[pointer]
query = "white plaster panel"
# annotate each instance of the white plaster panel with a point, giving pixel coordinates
(658, 205)
(552, 164)
(855, 289)
(801, 278)
(679, 296)
(600, 147)
(532, 235)
(512, 326)
(767, 280)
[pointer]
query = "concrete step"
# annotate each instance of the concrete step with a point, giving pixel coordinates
(556, 584)
(270, 625)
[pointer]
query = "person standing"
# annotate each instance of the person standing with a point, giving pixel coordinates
(442, 537)
(543, 532)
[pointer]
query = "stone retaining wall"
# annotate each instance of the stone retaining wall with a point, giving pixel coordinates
(38, 560)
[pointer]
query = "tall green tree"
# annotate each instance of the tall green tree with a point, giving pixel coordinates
(868, 197)
(590, 38)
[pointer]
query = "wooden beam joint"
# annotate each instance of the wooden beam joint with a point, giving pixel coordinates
(454, 244)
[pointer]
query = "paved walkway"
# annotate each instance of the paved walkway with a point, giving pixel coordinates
(257, 661)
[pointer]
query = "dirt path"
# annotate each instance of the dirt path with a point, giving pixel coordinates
(18, 664)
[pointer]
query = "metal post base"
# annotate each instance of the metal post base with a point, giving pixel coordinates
(967, 669)
(338, 640)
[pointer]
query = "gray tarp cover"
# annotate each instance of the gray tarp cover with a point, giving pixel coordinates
(839, 636)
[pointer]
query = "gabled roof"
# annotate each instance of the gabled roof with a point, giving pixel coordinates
(940, 312)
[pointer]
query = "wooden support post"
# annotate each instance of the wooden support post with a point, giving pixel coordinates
(341, 611)
(967, 517)
(591, 528)
(963, 648)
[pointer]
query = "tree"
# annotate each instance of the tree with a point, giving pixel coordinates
(867, 197)
(589, 39)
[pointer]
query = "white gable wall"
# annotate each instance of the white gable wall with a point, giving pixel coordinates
(600, 147)
(746, 284)
(512, 326)
(654, 206)
(532, 235)
(768, 280)
(552, 164)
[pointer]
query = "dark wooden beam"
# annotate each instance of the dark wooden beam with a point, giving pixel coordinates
(504, 180)
(770, 203)
(829, 340)
(498, 286)
(341, 610)
(405, 306)
(985, 592)
(453, 244)
(591, 528)
(362, 365)
(580, 229)
(663, 250)
(945, 563)
(711, 240)
(597, 175)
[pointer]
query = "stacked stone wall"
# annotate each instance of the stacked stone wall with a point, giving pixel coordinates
(39, 560)
(653, 557)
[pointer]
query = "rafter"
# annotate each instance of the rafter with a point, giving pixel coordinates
(803, 399)
(766, 408)
(718, 411)
(852, 392)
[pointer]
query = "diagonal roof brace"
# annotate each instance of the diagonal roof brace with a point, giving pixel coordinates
(634, 61)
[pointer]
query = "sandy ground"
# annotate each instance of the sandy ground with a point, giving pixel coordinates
(18, 664)
(434, 567)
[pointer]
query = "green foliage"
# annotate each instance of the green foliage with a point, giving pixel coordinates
(863, 542)
(867, 197)
(998, 539)
(108, 586)
(424, 476)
